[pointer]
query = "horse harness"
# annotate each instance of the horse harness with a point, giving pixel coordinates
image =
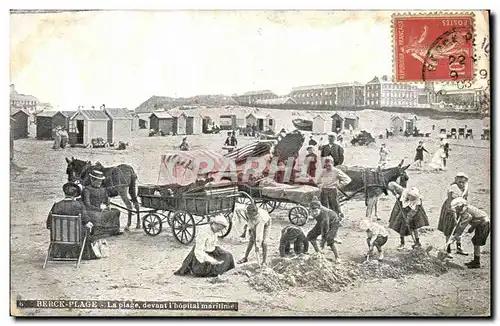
(378, 179)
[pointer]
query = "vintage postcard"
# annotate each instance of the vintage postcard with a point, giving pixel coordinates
(250, 163)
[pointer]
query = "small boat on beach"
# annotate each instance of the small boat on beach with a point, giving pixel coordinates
(304, 125)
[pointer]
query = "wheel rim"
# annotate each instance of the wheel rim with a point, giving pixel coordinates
(227, 230)
(152, 224)
(183, 227)
(298, 216)
(268, 205)
(243, 200)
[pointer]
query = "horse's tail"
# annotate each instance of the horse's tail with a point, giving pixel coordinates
(132, 187)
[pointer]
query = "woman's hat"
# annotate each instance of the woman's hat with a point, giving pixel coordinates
(458, 202)
(315, 203)
(72, 189)
(221, 220)
(97, 175)
(414, 192)
(461, 175)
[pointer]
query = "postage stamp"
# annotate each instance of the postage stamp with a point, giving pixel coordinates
(257, 170)
(433, 48)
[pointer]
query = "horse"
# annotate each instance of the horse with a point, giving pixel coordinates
(372, 184)
(118, 180)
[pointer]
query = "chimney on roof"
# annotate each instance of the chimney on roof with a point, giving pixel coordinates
(103, 107)
(384, 77)
(92, 107)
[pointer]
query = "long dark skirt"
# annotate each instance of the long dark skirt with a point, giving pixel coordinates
(70, 251)
(397, 220)
(107, 223)
(447, 220)
(192, 266)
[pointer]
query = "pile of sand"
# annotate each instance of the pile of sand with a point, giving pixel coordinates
(311, 271)
(407, 263)
(320, 273)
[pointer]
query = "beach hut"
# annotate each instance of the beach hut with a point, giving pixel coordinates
(11, 139)
(120, 125)
(351, 120)
(20, 123)
(164, 121)
(261, 121)
(47, 121)
(194, 122)
(86, 125)
(337, 122)
(228, 122)
(402, 124)
(321, 125)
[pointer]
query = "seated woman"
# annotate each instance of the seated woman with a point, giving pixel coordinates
(94, 198)
(70, 205)
(206, 259)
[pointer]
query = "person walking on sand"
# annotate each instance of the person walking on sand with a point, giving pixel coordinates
(327, 225)
(384, 156)
(448, 218)
(479, 224)
(408, 215)
(438, 161)
(419, 155)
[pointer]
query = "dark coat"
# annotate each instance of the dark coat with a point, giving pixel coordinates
(335, 151)
(69, 207)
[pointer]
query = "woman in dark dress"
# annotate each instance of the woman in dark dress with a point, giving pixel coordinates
(448, 218)
(96, 200)
(408, 215)
(207, 259)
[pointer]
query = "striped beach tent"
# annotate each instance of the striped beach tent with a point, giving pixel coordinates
(183, 167)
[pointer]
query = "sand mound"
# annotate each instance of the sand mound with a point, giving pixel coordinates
(320, 273)
(407, 263)
(311, 271)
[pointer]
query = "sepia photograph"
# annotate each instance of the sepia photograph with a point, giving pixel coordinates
(232, 163)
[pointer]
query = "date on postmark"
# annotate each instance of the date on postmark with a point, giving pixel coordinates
(433, 47)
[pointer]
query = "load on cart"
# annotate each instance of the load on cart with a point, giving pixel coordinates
(188, 193)
(270, 185)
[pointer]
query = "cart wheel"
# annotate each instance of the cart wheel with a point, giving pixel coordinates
(243, 200)
(106, 145)
(183, 227)
(298, 215)
(151, 224)
(268, 205)
(166, 216)
(226, 231)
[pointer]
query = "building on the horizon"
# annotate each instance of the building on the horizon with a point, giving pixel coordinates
(325, 94)
(384, 93)
(463, 99)
(254, 96)
(22, 101)
(350, 94)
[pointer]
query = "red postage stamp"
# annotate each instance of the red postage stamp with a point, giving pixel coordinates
(433, 47)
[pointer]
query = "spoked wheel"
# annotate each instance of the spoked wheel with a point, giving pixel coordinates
(151, 224)
(298, 215)
(166, 216)
(268, 205)
(183, 227)
(243, 200)
(226, 231)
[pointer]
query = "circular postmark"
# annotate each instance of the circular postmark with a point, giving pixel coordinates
(449, 57)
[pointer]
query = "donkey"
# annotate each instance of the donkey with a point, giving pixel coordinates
(118, 180)
(373, 189)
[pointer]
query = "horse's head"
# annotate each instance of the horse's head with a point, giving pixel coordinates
(77, 169)
(397, 172)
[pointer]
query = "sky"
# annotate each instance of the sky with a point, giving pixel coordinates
(121, 58)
